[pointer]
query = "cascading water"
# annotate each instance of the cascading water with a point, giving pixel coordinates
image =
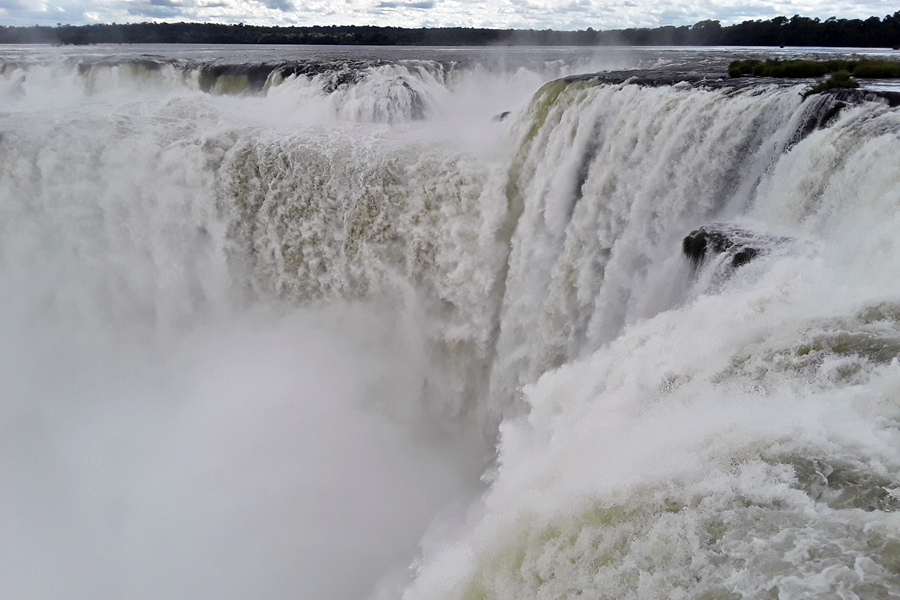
(264, 317)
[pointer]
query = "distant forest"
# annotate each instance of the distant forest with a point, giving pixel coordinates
(780, 31)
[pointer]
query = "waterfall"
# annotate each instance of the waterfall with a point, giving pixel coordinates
(270, 326)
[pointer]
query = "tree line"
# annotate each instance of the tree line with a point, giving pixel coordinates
(780, 31)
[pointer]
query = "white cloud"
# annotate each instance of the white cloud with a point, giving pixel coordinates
(536, 14)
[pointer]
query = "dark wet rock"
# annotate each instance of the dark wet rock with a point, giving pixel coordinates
(823, 108)
(740, 245)
(253, 76)
(418, 106)
(717, 80)
(831, 113)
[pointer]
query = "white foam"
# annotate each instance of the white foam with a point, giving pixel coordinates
(252, 344)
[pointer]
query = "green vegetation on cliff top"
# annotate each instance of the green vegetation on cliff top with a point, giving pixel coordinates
(840, 71)
(840, 79)
(866, 68)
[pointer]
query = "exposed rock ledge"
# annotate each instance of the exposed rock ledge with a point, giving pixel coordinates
(717, 80)
(739, 245)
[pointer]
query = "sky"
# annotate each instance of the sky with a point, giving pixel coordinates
(519, 14)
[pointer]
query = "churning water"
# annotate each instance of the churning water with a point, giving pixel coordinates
(383, 323)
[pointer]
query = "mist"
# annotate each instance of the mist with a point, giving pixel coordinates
(271, 457)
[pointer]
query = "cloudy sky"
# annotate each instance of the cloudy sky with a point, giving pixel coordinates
(526, 14)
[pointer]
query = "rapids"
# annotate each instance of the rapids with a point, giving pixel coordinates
(323, 323)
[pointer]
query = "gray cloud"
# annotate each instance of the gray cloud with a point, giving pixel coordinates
(163, 10)
(284, 6)
(574, 6)
(740, 13)
(427, 4)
